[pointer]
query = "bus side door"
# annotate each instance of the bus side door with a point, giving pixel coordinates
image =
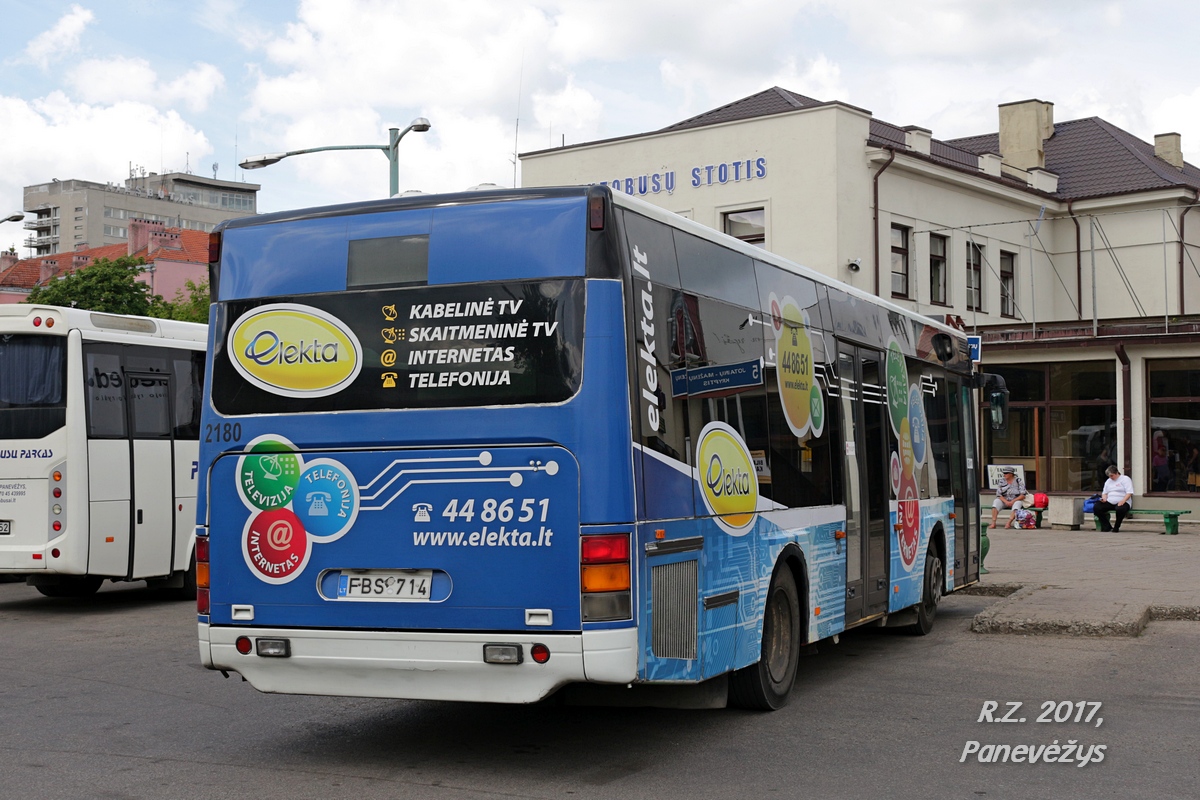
(864, 414)
(152, 507)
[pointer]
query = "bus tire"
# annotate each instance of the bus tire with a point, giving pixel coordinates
(766, 684)
(188, 590)
(73, 586)
(931, 595)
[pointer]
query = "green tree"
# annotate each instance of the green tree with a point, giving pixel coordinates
(190, 308)
(108, 286)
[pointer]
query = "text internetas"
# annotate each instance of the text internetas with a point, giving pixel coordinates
(469, 327)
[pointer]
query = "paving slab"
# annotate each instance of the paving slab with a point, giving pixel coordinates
(1088, 583)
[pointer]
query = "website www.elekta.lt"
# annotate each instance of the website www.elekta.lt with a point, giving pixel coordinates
(504, 537)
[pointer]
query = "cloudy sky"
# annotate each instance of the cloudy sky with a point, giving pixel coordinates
(89, 88)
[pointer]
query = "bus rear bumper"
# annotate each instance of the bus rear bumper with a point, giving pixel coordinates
(421, 665)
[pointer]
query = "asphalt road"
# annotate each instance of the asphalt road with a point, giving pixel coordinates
(105, 698)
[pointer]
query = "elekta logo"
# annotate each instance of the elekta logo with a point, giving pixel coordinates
(727, 480)
(268, 348)
(294, 350)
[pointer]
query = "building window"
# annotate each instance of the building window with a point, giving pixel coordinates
(1062, 424)
(79, 208)
(1008, 284)
(974, 277)
(899, 261)
(116, 213)
(937, 269)
(749, 225)
(1174, 434)
(115, 232)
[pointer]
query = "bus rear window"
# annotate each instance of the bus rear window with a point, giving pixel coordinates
(477, 344)
(32, 385)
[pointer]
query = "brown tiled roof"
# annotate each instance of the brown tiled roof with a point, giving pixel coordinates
(769, 101)
(1090, 156)
(194, 247)
(1093, 158)
(24, 274)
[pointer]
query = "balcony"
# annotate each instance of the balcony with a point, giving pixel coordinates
(41, 241)
(42, 222)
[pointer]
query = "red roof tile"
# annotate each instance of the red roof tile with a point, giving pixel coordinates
(193, 248)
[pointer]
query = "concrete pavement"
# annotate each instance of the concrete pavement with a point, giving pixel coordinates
(1088, 583)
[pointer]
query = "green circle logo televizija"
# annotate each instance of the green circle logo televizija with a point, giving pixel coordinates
(268, 481)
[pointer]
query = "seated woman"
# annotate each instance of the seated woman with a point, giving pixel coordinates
(1010, 494)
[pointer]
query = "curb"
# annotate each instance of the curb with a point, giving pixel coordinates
(1127, 622)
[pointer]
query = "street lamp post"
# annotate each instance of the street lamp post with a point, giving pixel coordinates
(420, 125)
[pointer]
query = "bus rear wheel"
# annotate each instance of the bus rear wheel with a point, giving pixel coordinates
(73, 586)
(935, 579)
(765, 685)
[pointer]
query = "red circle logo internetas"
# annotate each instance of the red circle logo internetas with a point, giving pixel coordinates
(275, 545)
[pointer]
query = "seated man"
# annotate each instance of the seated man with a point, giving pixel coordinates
(1010, 494)
(1116, 496)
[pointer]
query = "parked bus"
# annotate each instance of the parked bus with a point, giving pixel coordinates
(99, 416)
(487, 445)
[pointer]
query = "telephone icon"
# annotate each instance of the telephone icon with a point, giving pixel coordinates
(422, 510)
(389, 380)
(317, 503)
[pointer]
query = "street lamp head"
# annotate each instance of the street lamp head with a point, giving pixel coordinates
(16, 216)
(420, 125)
(266, 160)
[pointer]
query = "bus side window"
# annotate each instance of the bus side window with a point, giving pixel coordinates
(803, 472)
(148, 390)
(105, 393)
(937, 459)
(188, 369)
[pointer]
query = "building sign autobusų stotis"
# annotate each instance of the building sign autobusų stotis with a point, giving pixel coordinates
(720, 173)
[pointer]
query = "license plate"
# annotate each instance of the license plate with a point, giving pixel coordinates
(386, 584)
(5, 527)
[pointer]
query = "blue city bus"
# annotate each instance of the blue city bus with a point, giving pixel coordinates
(491, 445)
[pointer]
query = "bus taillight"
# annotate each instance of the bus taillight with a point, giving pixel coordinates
(604, 577)
(202, 577)
(596, 212)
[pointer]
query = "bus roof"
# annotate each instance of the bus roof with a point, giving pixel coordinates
(22, 316)
(406, 202)
(620, 199)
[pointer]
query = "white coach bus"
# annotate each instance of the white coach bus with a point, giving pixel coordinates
(99, 429)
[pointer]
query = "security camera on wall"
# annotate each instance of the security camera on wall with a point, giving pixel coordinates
(854, 264)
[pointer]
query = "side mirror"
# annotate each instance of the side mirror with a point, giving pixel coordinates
(998, 399)
(996, 391)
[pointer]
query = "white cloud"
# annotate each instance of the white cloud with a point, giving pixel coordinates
(1179, 113)
(569, 111)
(61, 39)
(980, 30)
(572, 68)
(121, 78)
(60, 138)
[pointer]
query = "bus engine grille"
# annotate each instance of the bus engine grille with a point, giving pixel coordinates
(673, 597)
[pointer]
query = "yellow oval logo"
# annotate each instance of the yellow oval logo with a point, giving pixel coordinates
(727, 479)
(294, 350)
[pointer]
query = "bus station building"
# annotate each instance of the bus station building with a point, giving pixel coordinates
(1067, 247)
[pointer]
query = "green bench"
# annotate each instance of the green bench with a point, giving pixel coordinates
(1170, 518)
